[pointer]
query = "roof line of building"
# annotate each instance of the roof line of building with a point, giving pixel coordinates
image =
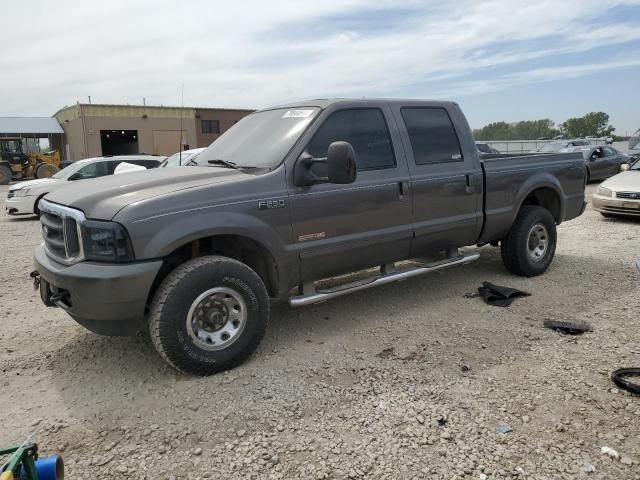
(151, 106)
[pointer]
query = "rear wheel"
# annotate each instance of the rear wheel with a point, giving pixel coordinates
(530, 245)
(46, 170)
(209, 315)
(5, 175)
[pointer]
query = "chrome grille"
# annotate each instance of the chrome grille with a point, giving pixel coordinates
(61, 231)
(628, 195)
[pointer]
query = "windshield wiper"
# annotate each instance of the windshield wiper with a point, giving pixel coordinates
(224, 163)
(229, 164)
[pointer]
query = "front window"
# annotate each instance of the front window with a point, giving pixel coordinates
(553, 147)
(69, 170)
(93, 170)
(365, 129)
(11, 146)
(634, 141)
(260, 140)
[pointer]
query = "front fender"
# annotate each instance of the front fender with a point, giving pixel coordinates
(158, 236)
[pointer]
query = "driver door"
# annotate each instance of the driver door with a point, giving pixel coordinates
(344, 228)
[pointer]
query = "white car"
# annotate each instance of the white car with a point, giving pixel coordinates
(23, 197)
(619, 196)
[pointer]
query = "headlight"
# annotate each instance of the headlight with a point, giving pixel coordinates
(106, 242)
(604, 192)
(22, 192)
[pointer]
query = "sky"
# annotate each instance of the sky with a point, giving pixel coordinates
(501, 60)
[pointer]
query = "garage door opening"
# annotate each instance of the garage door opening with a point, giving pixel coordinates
(119, 142)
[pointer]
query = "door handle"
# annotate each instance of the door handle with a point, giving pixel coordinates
(403, 190)
(469, 188)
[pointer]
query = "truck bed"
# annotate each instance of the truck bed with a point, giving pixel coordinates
(508, 179)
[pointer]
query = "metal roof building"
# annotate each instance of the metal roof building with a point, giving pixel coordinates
(29, 126)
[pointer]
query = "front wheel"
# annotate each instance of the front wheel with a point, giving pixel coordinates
(46, 170)
(530, 245)
(209, 315)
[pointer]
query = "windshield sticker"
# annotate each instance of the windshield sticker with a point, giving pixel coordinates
(297, 114)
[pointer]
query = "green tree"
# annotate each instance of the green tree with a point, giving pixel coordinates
(522, 130)
(592, 124)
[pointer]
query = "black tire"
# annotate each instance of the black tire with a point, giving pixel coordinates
(515, 247)
(186, 292)
(36, 210)
(45, 170)
(112, 328)
(5, 175)
(622, 377)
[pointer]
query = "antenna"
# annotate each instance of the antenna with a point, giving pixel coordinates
(181, 109)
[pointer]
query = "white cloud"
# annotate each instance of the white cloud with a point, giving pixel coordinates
(254, 53)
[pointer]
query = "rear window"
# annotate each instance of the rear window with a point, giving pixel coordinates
(432, 135)
(146, 163)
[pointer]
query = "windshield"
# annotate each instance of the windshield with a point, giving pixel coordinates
(553, 147)
(261, 139)
(11, 146)
(174, 160)
(69, 170)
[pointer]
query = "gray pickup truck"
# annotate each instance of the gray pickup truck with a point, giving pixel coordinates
(289, 204)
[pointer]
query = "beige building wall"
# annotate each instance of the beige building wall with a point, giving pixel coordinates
(158, 128)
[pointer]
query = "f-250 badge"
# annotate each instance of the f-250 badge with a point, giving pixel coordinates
(269, 204)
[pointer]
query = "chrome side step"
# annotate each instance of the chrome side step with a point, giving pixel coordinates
(313, 296)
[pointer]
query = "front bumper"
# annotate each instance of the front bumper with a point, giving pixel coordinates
(616, 206)
(20, 205)
(98, 291)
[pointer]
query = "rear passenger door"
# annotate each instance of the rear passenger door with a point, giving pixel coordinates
(343, 228)
(446, 184)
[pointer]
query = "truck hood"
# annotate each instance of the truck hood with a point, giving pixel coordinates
(102, 198)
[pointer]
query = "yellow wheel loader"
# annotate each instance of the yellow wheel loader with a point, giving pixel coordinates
(17, 165)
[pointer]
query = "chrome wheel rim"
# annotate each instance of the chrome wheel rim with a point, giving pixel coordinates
(538, 242)
(216, 318)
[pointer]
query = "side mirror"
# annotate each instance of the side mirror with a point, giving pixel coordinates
(340, 166)
(594, 157)
(75, 176)
(341, 163)
(624, 167)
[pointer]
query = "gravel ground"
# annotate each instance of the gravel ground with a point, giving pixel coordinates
(409, 380)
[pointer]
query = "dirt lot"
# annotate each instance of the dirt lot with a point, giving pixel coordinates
(405, 381)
